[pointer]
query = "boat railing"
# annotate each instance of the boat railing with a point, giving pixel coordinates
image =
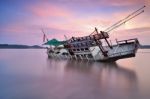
(122, 53)
(127, 41)
(81, 51)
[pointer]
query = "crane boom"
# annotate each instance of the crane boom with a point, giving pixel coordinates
(125, 21)
(129, 17)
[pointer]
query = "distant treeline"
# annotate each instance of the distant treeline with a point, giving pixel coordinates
(145, 46)
(15, 46)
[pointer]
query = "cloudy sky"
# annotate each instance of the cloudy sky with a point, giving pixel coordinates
(21, 20)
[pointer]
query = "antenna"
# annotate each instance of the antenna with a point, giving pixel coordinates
(65, 37)
(44, 34)
(96, 30)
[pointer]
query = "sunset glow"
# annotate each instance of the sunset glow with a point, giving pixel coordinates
(21, 20)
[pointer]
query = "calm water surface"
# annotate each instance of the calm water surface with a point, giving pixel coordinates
(29, 74)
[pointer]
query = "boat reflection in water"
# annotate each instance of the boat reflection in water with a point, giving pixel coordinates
(94, 80)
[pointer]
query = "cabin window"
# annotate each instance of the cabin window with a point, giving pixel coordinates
(90, 56)
(86, 49)
(82, 49)
(77, 56)
(78, 49)
(74, 49)
(64, 53)
(84, 55)
(57, 52)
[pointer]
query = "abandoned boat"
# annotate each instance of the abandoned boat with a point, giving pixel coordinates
(92, 47)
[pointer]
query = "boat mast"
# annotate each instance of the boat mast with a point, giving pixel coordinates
(44, 34)
(99, 43)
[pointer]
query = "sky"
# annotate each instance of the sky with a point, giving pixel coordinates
(21, 21)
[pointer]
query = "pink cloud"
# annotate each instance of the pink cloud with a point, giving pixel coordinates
(45, 12)
(49, 10)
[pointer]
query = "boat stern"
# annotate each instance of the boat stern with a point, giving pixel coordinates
(124, 49)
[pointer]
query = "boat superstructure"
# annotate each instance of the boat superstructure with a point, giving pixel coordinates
(96, 45)
(91, 48)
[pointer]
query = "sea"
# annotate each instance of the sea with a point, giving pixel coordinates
(30, 74)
